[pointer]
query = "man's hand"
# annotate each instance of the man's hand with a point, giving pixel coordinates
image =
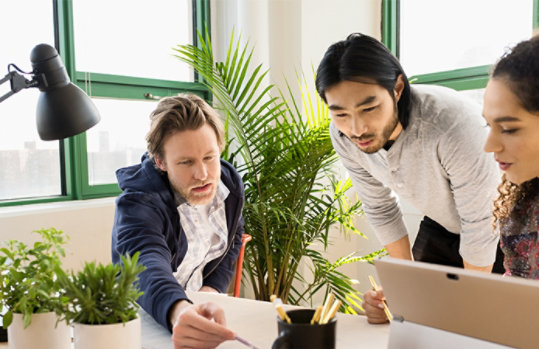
(374, 308)
(199, 326)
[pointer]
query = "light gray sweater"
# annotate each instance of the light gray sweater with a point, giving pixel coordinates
(438, 165)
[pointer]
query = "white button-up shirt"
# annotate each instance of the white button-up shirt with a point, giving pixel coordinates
(206, 232)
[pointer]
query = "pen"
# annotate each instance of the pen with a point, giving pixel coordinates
(245, 342)
(386, 309)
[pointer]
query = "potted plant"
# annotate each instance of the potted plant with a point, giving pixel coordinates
(100, 302)
(29, 290)
(286, 158)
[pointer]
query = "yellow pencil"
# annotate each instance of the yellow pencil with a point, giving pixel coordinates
(331, 313)
(386, 309)
(282, 313)
(327, 305)
(278, 306)
(316, 316)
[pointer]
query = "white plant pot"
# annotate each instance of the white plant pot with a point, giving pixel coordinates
(116, 336)
(42, 333)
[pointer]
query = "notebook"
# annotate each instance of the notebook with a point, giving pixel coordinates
(489, 307)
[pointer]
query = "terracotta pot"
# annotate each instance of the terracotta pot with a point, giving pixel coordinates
(117, 336)
(42, 333)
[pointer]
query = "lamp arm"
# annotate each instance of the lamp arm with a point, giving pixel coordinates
(18, 82)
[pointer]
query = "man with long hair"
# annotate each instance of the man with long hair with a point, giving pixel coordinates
(421, 142)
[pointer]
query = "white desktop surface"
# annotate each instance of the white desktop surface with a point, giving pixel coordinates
(256, 321)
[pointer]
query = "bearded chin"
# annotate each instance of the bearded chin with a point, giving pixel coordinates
(384, 136)
(388, 130)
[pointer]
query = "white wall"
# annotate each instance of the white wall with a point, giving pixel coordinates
(289, 35)
(87, 223)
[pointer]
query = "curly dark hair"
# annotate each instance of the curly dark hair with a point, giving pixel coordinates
(509, 194)
(519, 69)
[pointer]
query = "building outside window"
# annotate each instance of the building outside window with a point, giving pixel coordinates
(120, 53)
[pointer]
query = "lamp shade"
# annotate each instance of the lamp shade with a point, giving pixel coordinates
(63, 109)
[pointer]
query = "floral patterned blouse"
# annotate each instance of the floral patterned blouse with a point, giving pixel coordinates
(519, 239)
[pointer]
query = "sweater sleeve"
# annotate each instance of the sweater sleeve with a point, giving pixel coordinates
(139, 226)
(379, 202)
(473, 181)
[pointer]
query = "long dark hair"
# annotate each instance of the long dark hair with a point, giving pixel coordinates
(361, 56)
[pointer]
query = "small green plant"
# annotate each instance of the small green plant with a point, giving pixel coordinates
(102, 294)
(28, 275)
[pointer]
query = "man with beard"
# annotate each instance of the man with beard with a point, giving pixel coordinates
(421, 142)
(181, 207)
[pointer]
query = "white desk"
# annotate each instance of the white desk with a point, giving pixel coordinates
(256, 322)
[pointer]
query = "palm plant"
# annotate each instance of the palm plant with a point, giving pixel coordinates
(286, 161)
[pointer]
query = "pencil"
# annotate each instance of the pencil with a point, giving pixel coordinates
(316, 316)
(327, 305)
(386, 309)
(331, 313)
(282, 313)
(277, 302)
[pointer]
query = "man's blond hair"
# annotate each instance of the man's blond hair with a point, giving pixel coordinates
(181, 113)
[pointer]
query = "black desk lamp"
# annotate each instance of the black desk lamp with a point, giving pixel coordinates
(63, 109)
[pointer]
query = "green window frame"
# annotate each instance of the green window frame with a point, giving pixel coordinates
(73, 151)
(459, 79)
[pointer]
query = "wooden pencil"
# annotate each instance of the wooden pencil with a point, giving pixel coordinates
(386, 309)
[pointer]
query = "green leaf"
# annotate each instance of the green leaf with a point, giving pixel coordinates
(28, 281)
(102, 294)
(287, 162)
(7, 319)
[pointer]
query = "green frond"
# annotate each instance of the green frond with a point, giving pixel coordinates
(284, 154)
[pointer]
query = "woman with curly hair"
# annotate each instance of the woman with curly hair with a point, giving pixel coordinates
(511, 109)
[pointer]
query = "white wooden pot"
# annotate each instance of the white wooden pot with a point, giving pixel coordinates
(117, 336)
(42, 333)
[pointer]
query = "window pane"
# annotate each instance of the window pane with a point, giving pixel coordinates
(445, 35)
(132, 37)
(119, 139)
(29, 167)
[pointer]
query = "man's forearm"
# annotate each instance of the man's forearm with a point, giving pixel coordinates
(400, 248)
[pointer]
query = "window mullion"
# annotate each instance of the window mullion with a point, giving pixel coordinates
(75, 158)
(390, 25)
